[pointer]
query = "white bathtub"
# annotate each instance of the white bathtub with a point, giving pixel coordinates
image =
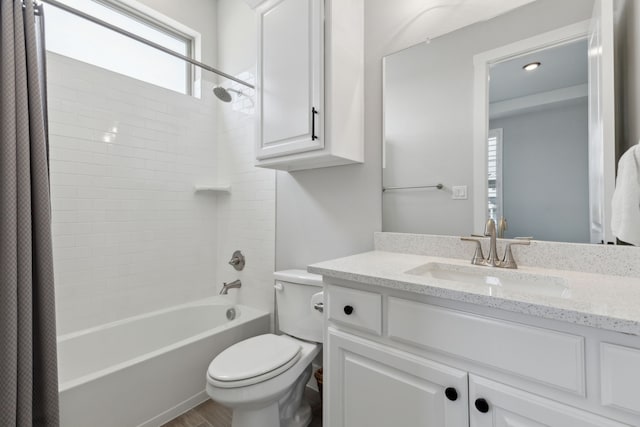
(148, 369)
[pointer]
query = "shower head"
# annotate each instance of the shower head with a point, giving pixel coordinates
(223, 93)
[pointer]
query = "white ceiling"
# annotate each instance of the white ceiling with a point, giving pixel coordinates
(438, 17)
(254, 3)
(562, 66)
(407, 22)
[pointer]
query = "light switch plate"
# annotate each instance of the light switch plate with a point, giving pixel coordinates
(459, 192)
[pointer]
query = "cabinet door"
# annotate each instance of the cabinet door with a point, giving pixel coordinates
(497, 405)
(290, 72)
(370, 385)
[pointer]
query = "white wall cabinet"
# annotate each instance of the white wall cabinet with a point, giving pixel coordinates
(310, 97)
(505, 373)
(290, 90)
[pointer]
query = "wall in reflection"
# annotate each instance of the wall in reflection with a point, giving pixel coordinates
(428, 121)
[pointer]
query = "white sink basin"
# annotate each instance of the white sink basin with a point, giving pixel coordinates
(495, 279)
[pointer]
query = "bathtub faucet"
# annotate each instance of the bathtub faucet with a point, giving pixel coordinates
(233, 285)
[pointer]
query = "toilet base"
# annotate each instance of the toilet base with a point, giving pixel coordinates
(291, 410)
(270, 417)
(302, 418)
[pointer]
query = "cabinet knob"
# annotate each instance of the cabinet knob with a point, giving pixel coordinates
(451, 393)
(348, 310)
(482, 405)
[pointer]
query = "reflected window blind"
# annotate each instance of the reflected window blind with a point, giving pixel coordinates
(494, 174)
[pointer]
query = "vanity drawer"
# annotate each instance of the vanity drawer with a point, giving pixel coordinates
(620, 377)
(545, 356)
(358, 309)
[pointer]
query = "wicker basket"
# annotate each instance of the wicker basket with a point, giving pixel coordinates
(318, 375)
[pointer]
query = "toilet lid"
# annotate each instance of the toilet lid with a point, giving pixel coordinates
(254, 357)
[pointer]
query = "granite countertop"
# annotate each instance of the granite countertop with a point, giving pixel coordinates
(597, 300)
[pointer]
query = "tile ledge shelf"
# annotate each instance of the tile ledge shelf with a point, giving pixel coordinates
(201, 188)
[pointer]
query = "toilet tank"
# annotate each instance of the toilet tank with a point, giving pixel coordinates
(296, 293)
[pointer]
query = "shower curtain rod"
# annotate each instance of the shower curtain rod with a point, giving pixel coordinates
(144, 41)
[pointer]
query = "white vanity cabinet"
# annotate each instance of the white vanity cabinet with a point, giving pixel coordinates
(497, 405)
(373, 385)
(396, 359)
(310, 86)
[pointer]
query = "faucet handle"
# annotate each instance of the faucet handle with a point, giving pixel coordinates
(502, 226)
(237, 261)
(508, 261)
(478, 256)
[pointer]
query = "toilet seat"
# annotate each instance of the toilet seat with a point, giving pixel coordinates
(253, 360)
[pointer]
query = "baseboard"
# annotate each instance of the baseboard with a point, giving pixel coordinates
(177, 410)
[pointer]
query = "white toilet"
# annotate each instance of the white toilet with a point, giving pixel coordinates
(263, 378)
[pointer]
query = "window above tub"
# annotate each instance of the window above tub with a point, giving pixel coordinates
(77, 38)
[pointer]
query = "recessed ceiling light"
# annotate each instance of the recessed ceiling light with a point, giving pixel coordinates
(531, 66)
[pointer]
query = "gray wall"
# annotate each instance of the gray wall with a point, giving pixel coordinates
(429, 115)
(545, 173)
(327, 213)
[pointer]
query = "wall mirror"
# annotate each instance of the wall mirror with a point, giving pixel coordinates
(510, 118)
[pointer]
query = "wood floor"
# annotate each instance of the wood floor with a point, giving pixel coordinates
(212, 414)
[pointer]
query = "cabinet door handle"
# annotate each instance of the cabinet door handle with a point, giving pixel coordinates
(348, 310)
(482, 405)
(451, 393)
(313, 123)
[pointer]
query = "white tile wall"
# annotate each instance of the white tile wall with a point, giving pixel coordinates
(129, 233)
(246, 217)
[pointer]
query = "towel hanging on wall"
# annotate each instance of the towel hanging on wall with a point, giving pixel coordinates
(625, 219)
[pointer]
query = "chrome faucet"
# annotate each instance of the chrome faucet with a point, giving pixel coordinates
(232, 285)
(490, 231)
(492, 260)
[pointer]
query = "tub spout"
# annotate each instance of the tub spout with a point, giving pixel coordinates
(232, 285)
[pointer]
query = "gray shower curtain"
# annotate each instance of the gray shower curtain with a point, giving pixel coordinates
(28, 367)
